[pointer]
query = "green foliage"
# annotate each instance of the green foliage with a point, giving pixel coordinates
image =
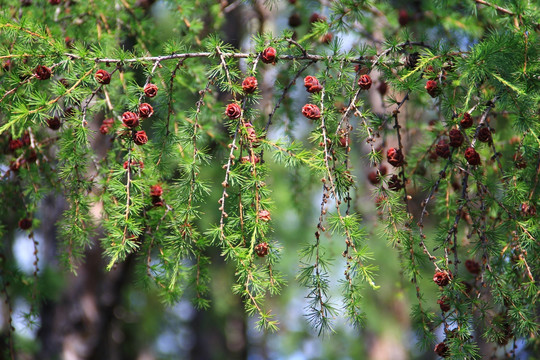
(205, 179)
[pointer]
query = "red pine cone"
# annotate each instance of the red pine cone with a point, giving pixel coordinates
(316, 17)
(157, 201)
(264, 215)
(42, 72)
(140, 137)
(519, 161)
(248, 159)
(364, 82)
(64, 82)
(311, 111)
(441, 278)
(382, 88)
(373, 177)
(467, 121)
(295, 20)
(395, 157)
(472, 266)
(130, 119)
(262, 249)
(251, 133)
(442, 149)
(134, 163)
(472, 156)
(106, 126)
(32, 156)
(442, 350)
(54, 123)
(156, 190)
(249, 85)
(484, 135)
(233, 111)
(432, 88)
(312, 84)
(268, 56)
(102, 77)
(326, 38)
(25, 224)
(394, 183)
(15, 144)
(14, 165)
(456, 138)
(403, 17)
(145, 110)
(344, 141)
(26, 138)
(150, 90)
(528, 210)
(443, 304)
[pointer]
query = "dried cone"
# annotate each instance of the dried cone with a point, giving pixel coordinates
(395, 157)
(233, 111)
(262, 249)
(472, 157)
(364, 82)
(102, 77)
(150, 90)
(249, 85)
(311, 111)
(268, 56)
